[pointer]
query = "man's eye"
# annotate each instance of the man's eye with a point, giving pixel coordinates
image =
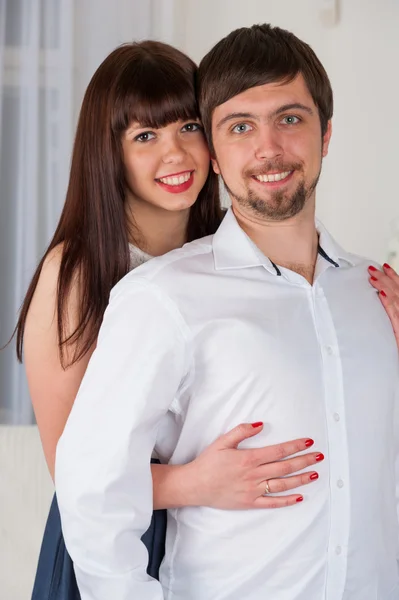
(291, 120)
(189, 127)
(241, 128)
(144, 137)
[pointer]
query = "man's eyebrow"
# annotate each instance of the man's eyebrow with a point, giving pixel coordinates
(278, 111)
(236, 115)
(293, 106)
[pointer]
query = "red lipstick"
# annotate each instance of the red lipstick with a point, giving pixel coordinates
(177, 189)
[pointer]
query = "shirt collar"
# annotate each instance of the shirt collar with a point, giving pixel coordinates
(331, 250)
(233, 249)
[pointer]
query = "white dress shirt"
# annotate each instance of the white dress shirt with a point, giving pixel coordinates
(204, 338)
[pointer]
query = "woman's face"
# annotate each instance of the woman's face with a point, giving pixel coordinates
(165, 167)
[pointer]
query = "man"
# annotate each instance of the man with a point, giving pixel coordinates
(269, 316)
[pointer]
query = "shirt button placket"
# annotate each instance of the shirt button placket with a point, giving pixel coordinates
(338, 458)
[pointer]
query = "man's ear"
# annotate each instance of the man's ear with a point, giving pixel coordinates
(215, 166)
(326, 139)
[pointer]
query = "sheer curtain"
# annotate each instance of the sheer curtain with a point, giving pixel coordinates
(49, 50)
(36, 64)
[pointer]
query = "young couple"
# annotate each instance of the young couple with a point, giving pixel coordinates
(264, 332)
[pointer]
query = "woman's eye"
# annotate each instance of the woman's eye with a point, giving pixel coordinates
(192, 127)
(241, 128)
(145, 137)
(291, 120)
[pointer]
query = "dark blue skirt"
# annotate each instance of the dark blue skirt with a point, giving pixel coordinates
(55, 577)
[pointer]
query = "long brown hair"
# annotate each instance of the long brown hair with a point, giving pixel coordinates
(154, 84)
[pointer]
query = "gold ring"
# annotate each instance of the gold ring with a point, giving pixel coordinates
(267, 488)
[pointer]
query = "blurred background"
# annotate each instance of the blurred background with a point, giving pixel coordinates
(49, 50)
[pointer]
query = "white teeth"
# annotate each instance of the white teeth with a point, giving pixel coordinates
(176, 180)
(273, 176)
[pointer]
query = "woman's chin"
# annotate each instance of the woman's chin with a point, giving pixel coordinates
(179, 203)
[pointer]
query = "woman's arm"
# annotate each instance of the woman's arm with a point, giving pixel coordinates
(226, 477)
(52, 388)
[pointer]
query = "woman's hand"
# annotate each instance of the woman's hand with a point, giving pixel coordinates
(387, 284)
(226, 477)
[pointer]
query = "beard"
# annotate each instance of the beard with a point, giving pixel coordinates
(280, 205)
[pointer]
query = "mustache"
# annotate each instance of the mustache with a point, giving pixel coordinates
(272, 167)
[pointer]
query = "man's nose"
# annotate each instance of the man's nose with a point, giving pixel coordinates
(268, 144)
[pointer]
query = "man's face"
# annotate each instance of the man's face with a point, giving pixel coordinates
(268, 148)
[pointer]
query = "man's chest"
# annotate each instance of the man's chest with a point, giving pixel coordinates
(300, 359)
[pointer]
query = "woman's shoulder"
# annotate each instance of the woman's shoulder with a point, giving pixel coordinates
(45, 299)
(51, 266)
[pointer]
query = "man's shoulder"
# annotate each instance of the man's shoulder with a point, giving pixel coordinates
(176, 260)
(170, 267)
(356, 260)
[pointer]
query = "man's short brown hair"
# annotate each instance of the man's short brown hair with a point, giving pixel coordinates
(257, 55)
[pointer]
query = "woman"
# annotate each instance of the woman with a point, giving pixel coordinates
(140, 185)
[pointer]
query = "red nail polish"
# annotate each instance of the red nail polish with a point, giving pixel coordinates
(314, 476)
(257, 424)
(299, 499)
(309, 443)
(386, 266)
(371, 268)
(383, 293)
(319, 457)
(373, 278)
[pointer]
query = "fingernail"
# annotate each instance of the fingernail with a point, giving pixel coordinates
(386, 266)
(373, 278)
(319, 457)
(383, 293)
(309, 443)
(299, 499)
(371, 268)
(257, 424)
(314, 476)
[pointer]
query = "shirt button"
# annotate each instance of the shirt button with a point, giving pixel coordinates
(338, 550)
(336, 417)
(329, 350)
(340, 483)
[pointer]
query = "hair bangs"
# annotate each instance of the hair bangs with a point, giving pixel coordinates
(155, 96)
(244, 79)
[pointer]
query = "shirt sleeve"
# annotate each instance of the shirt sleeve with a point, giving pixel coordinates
(103, 476)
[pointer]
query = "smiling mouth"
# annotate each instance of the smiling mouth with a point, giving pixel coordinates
(272, 177)
(176, 183)
(176, 179)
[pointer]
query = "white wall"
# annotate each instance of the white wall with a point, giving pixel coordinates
(101, 26)
(357, 197)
